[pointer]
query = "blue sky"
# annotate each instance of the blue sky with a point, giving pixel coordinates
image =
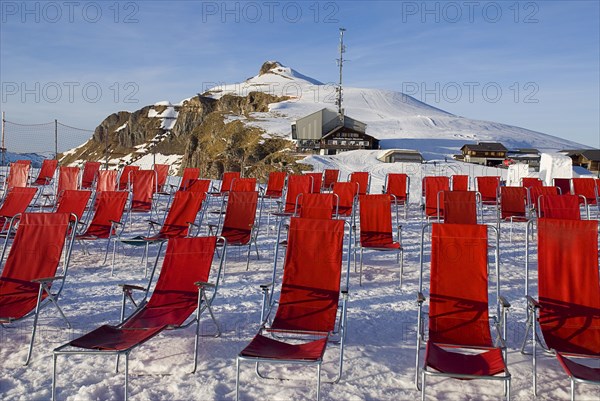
(534, 64)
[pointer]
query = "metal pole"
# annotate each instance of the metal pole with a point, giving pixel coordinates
(341, 65)
(56, 139)
(106, 149)
(3, 148)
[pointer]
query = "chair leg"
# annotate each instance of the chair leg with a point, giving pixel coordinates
(237, 379)
(35, 320)
(319, 382)
(423, 385)
(361, 266)
(54, 357)
(126, 376)
(572, 389)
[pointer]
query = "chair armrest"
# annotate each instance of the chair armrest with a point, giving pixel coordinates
(116, 222)
(344, 290)
(420, 298)
(265, 286)
(129, 287)
(45, 280)
(503, 302)
(191, 223)
(532, 302)
(153, 223)
(204, 284)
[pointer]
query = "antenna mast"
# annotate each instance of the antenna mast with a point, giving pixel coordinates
(341, 65)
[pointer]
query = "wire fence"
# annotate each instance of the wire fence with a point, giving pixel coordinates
(46, 139)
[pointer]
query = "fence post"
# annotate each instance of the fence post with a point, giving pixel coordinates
(3, 148)
(56, 139)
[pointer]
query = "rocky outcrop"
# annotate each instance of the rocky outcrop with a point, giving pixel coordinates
(200, 134)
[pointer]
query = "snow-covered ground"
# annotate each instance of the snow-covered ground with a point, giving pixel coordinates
(379, 354)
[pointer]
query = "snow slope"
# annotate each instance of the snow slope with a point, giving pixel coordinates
(398, 120)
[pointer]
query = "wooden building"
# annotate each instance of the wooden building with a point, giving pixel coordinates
(484, 153)
(328, 133)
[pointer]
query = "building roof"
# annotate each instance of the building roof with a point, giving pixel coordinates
(485, 147)
(590, 154)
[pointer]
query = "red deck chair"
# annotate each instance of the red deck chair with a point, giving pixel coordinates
(567, 311)
(26, 162)
(226, 180)
(243, 184)
(240, 226)
(162, 173)
(143, 187)
(564, 184)
(29, 281)
(18, 174)
(459, 182)
(376, 231)
(536, 192)
(275, 184)
(198, 185)
(559, 207)
(16, 201)
(587, 190)
(124, 177)
(177, 223)
(181, 289)
(459, 207)
(89, 175)
(46, 172)
(489, 188)
(317, 182)
(363, 179)
(107, 180)
(529, 182)
(513, 206)
(308, 301)
(296, 185)
(347, 193)
(317, 206)
(398, 185)
(189, 173)
(330, 177)
(73, 201)
(110, 206)
(431, 187)
(68, 178)
(459, 320)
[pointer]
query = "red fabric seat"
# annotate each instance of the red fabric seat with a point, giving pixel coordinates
(397, 185)
(243, 184)
(46, 172)
(73, 201)
(189, 173)
(431, 187)
(586, 188)
(109, 207)
(460, 207)
(90, 172)
(226, 180)
(330, 177)
(317, 181)
(486, 363)
(513, 201)
(275, 184)
(531, 182)
(460, 182)
(240, 216)
(296, 185)
(488, 187)
(16, 201)
(143, 188)
(265, 347)
(198, 185)
(347, 193)
(107, 180)
(183, 210)
(580, 371)
(125, 177)
(162, 173)
(363, 180)
(18, 174)
(559, 207)
(316, 206)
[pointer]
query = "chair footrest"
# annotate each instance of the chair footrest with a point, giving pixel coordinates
(486, 363)
(268, 348)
